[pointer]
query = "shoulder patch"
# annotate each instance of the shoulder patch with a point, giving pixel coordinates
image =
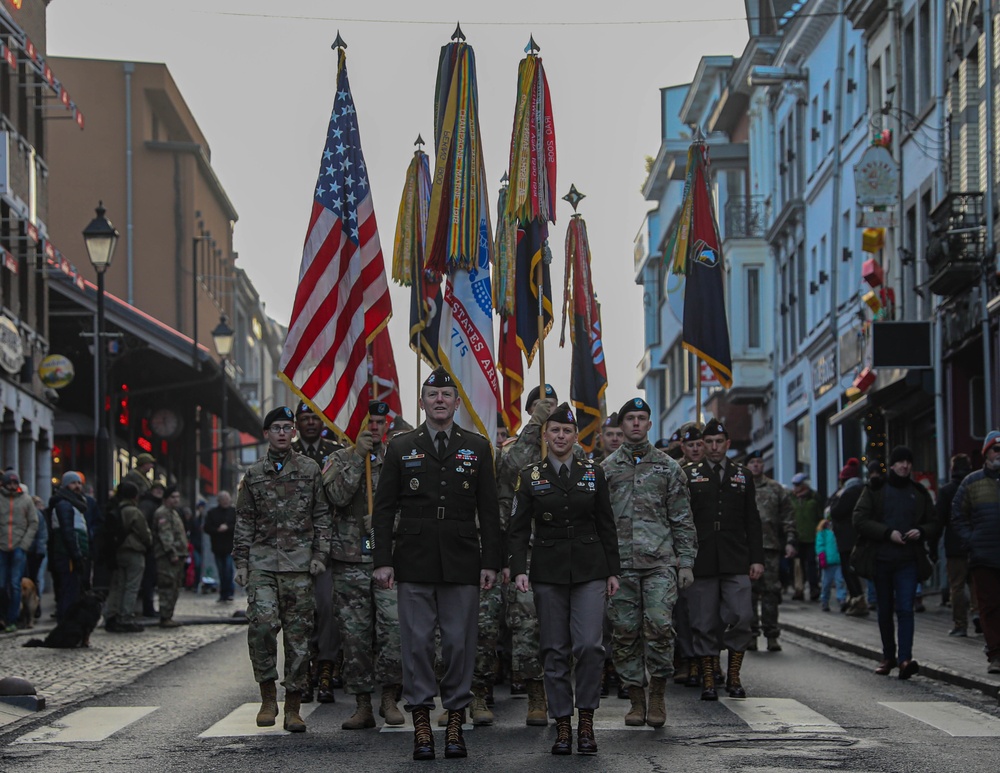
(517, 483)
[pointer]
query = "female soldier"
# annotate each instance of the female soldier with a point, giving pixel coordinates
(574, 565)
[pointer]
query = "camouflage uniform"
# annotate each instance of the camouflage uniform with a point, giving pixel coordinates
(169, 542)
(367, 616)
(778, 519)
(656, 537)
(282, 523)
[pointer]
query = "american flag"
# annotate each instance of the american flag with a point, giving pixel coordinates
(342, 301)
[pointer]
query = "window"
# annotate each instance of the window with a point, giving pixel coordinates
(814, 132)
(783, 164)
(845, 269)
(827, 118)
(800, 291)
(753, 307)
(909, 70)
(925, 31)
(823, 267)
(876, 85)
(926, 300)
(849, 93)
(812, 307)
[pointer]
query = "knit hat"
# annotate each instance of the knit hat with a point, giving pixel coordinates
(71, 477)
(852, 469)
(900, 454)
(991, 440)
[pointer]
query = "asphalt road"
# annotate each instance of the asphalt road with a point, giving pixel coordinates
(810, 709)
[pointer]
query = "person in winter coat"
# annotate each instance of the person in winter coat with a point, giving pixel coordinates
(955, 553)
(19, 524)
(69, 542)
(975, 514)
(894, 522)
(828, 559)
(130, 562)
(840, 511)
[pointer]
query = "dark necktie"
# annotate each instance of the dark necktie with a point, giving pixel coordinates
(719, 470)
(564, 474)
(442, 443)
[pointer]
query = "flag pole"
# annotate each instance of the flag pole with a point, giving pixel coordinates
(697, 415)
(368, 456)
(416, 416)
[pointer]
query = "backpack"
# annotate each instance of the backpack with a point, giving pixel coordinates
(113, 533)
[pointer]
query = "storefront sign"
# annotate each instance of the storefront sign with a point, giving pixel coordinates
(11, 346)
(795, 389)
(851, 350)
(824, 372)
(876, 178)
(56, 371)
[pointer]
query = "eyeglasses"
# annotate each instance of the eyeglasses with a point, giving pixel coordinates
(281, 429)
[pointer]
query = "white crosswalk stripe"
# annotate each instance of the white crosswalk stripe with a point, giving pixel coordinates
(242, 721)
(952, 718)
(91, 724)
(780, 715)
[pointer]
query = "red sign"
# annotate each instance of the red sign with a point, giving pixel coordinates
(10, 57)
(708, 376)
(50, 251)
(79, 281)
(64, 96)
(47, 74)
(29, 49)
(65, 266)
(32, 232)
(9, 262)
(78, 117)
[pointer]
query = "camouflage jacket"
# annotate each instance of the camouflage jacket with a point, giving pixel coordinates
(515, 455)
(777, 516)
(345, 486)
(652, 510)
(169, 538)
(282, 517)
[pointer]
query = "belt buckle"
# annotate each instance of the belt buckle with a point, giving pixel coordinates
(440, 513)
(717, 526)
(570, 532)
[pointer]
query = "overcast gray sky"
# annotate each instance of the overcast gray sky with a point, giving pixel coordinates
(259, 77)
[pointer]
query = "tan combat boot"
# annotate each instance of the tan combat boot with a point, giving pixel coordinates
(268, 704)
(636, 716)
(481, 714)
(657, 714)
(362, 716)
(537, 708)
(293, 721)
(388, 708)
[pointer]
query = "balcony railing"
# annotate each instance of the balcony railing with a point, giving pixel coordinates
(956, 244)
(746, 217)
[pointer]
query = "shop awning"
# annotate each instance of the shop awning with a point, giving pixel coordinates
(889, 384)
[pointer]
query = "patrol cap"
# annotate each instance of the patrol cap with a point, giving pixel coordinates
(636, 404)
(550, 394)
(439, 377)
(282, 412)
(142, 459)
(755, 454)
(303, 407)
(563, 415)
(378, 408)
(691, 433)
(714, 427)
(612, 420)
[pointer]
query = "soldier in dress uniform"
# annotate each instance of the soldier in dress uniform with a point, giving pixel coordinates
(326, 654)
(281, 542)
(563, 504)
(730, 557)
(522, 617)
(777, 518)
(688, 672)
(692, 444)
(675, 448)
(657, 544)
(367, 616)
(439, 480)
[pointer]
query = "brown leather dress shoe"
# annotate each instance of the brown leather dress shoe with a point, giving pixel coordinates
(885, 667)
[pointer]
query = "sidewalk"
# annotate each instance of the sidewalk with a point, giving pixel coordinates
(955, 660)
(113, 660)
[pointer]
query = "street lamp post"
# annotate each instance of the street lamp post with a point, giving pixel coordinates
(101, 237)
(223, 336)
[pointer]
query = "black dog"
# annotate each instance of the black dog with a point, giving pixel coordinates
(75, 628)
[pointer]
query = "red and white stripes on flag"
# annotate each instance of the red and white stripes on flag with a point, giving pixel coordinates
(342, 300)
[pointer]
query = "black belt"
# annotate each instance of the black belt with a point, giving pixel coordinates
(441, 513)
(554, 532)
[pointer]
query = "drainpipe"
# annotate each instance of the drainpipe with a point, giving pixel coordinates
(990, 258)
(838, 174)
(940, 77)
(898, 269)
(939, 406)
(129, 68)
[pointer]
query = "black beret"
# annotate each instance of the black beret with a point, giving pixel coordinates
(691, 433)
(714, 427)
(439, 377)
(277, 414)
(550, 394)
(563, 415)
(378, 408)
(756, 454)
(676, 437)
(633, 405)
(304, 407)
(169, 492)
(661, 443)
(611, 421)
